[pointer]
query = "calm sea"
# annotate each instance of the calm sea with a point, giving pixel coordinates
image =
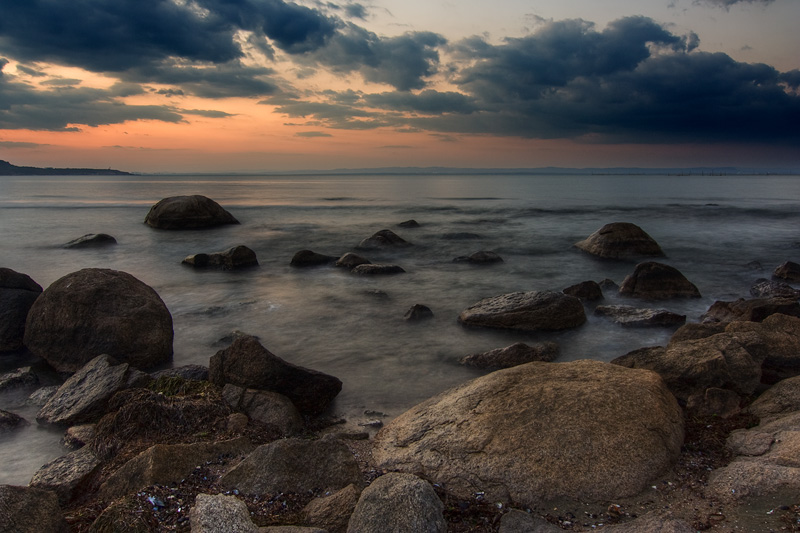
(722, 232)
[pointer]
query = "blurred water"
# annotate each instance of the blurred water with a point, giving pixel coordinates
(711, 228)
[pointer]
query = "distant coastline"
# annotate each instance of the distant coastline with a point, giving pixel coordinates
(7, 169)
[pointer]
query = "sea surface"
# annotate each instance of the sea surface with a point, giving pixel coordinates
(721, 232)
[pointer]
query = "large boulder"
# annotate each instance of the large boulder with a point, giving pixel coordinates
(398, 503)
(657, 281)
(620, 240)
(17, 294)
(384, 238)
(233, 258)
(245, 363)
(30, 510)
(99, 311)
(586, 430)
(526, 311)
(188, 212)
(517, 354)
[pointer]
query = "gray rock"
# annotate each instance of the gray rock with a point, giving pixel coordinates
(620, 240)
(220, 513)
(267, 407)
(187, 212)
(790, 271)
(383, 239)
(91, 240)
(418, 312)
(9, 420)
(30, 510)
(351, 260)
(514, 355)
(295, 465)
(98, 311)
(398, 503)
(409, 224)
(78, 436)
(373, 269)
(233, 258)
(526, 311)
(21, 377)
(657, 281)
(18, 292)
(307, 258)
(65, 475)
(332, 513)
(629, 316)
(479, 258)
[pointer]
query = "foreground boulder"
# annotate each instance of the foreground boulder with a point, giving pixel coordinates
(776, 339)
(92, 240)
(586, 430)
(30, 510)
(657, 281)
(245, 363)
(231, 259)
(99, 311)
(188, 212)
(526, 311)
(514, 355)
(17, 294)
(629, 316)
(620, 240)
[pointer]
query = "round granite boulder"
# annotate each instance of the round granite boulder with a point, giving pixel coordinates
(526, 311)
(99, 311)
(188, 212)
(620, 240)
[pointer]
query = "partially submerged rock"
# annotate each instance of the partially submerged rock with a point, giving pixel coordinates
(233, 258)
(372, 269)
(67, 474)
(351, 260)
(9, 420)
(188, 212)
(620, 240)
(308, 258)
(526, 311)
(589, 291)
(92, 240)
(21, 377)
(790, 271)
(657, 281)
(517, 354)
(18, 292)
(764, 288)
(384, 238)
(418, 312)
(629, 316)
(480, 258)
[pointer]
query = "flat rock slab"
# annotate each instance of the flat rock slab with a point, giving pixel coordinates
(526, 311)
(188, 212)
(540, 431)
(633, 317)
(517, 354)
(620, 240)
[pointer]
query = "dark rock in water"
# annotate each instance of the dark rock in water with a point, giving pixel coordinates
(764, 288)
(409, 224)
(192, 372)
(479, 258)
(65, 475)
(383, 239)
(188, 212)
(514, 355)
(620, 240)
(754, 310)
(92, 240)
(526, 311)
(9, 420)
(21, 377)
(247, 364)
(30, 510)
(307, 258)
(461, 236)
(657, 281)
(39, 397)
(630, 316)
(18, 292)
(418, 312)
(373, 269)
(231, 259)
(790, 271)
(608, 284)
(99, 311)
(405, 501)
(351, 260)
(589, 291)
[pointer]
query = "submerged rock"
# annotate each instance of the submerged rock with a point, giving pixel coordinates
(587, 290)
(18, 292)
(514, 355)
(526, 311)
(409, 224)
(479, 258)
(351, 260)
(231, 259)
(629, 316)
(620, 240)
(383, 239)
(307, 258)
(657, 281)
(188, 212)
(92, 240)
(373, 269)
(418, 312)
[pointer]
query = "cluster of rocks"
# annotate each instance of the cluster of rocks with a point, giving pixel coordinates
(530, 433)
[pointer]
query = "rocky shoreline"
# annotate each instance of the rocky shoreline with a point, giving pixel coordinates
(700, 434)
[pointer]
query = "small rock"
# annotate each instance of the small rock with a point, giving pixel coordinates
(657, 281)
(92, 240)
(409, 224)
(418, 312)
(790, 271)
(351, 260)
(307, 258)
(589, 291)
(233, 258)
(479, 258)
(383, 239)
(9, 420)
(516, 354)
(377, 270)
(630, 316)
(21, 377)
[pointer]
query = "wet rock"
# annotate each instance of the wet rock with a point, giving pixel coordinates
(295, 465)
(790, 271)
(620, 240)
(409, 224)
(384, 238)
(332, 513)
(307, 258)
(40, 396)
(231, 259)
(18, 292)
(9, 420)
(21, 377)
(188, 212)
(622, 428)
(418, 312)
(351, 260)
(657, 281)
(755, 310)
(514, 355)
(192, 372)
(92, 240)
(479, 258)
(265, 406)
(629, 316)
(764, 288)
(98, 311)
(405, 501)
(373, 269)
(245, 363)
(589, 291)
(65, 475)
(215, 513)
(526, 311)
(30, 510)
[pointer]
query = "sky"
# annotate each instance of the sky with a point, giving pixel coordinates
(270, 85)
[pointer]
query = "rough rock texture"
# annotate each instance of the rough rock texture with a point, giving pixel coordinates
(693, 331)
(295, 465)
(779, 400)
(586, 290)
(30, 510)
(21, 377)
(691, 367)
(790, 271)
(332, 513)
(372, 269)
(620, 240)
(418, 312)
(231, 259)
(307, 258)
(265, 406)
(612, 429)
(84, 396)
(217, 513)
(78, 436)
(479, 258)
(9, 420)
(398, 503)
(657, 281)
(776, 339)
(192, 372)
(526, 311)
(652, 523)
(18, 292)
(755, 310)
(517, 354)
(764, 288)
(98, 311)
(188, 212)
(245, 363)
(351, 260)
(383, 239)
(92, 240)
(629, 316)
(64, 475)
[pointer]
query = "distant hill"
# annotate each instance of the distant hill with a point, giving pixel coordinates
(7, 169)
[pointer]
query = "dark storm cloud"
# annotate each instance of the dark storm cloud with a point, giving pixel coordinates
(427, 102)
